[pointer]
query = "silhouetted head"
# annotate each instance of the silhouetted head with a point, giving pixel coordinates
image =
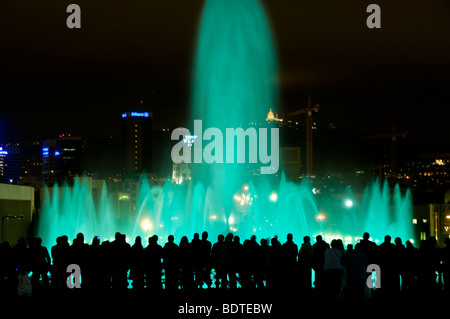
(205, 235)
(253, 238)
(263, 242)
(117, 236)
(289, 237)
(398, 241)
(387, 239)
(236, 239)
(38, 241)
(80, 238)
(229, 237)
(220, 238)
(170, 238)
(155, 238)
(95, 241)
(409, 244)
(138, 240)
(366, 236)
(306, 239)
(184, 241)
(318, 238)
(196, 236)
(334, 244)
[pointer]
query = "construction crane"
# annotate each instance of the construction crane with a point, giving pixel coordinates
(309, 133)
(393, 137)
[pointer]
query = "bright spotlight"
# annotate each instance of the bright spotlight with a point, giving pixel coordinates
(245, 187)
(349, 203)
(273, 197)
(145, 224)
(231, 220)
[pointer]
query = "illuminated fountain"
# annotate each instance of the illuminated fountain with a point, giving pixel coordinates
(234, 83)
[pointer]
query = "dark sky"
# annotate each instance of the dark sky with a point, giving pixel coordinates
(54, 80)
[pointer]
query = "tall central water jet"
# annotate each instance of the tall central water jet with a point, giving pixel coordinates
(234, 80)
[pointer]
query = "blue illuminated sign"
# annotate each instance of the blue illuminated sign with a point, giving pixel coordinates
(136, 114)
(2, 152)
(57, 153)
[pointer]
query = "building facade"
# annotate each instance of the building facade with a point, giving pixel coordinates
(136, 143)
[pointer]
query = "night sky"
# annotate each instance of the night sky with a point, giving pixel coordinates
(54, 79)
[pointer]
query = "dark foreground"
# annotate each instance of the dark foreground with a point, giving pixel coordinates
(218, 303)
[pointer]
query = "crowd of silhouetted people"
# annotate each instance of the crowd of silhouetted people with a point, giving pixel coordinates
(321, 268)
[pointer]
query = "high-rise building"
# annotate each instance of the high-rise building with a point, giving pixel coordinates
(61, 159)
(12, 165)
(3, 154)
(136, 143)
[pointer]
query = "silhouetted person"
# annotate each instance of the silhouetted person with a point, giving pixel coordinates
(40, 262)
(217, 255)
(21, 255)
(428, 264)
(171, 264)
(387, 262)
(78, 255)
(410, 270)
(399, 261)
(356, 264)
(205, 261)
(93, 270)
(445, 258)
(120, 262)
(137, 264)
(152, 255)
(333, 269)
(318, 260)
(305, 262)
(290, 251)
(60, 258)
(228, 263)
(262, 263)
(187, 261)
(275, 265)
(195, 248)
(368, 247)
(255, 263)
(237, 257)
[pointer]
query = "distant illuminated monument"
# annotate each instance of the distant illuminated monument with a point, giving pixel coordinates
(271, 118)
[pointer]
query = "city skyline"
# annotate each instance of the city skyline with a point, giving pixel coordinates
(57, 79)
